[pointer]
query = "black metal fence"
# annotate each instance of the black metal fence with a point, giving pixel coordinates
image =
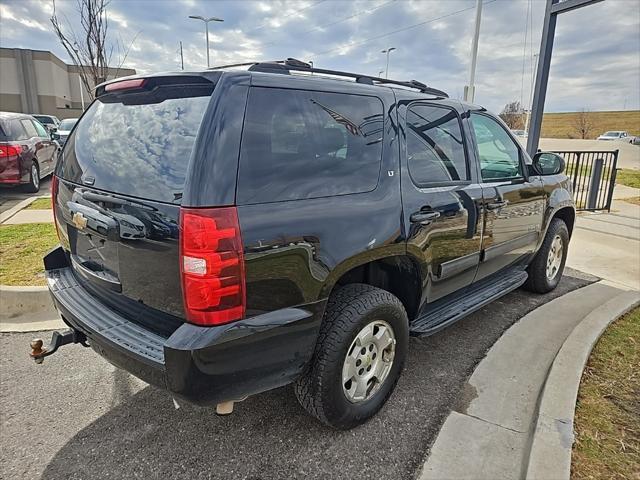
(593, 175)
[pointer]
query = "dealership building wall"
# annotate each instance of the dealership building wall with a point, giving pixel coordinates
(36, 81)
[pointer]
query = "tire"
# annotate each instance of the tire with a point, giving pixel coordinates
(352, 310)
(34, 179)
(542, 279)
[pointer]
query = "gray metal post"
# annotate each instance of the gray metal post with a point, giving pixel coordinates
(554, 7)
(594, 183)
(542, 79)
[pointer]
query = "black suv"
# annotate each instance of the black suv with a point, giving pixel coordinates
(227, 232)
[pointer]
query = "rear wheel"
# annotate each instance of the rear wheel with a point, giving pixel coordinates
(360, 353)
(34, 179)
(547, 266)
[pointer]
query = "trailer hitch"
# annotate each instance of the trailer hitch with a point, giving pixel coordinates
(57, 340)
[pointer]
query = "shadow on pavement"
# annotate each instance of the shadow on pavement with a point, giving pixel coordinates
(270, 436)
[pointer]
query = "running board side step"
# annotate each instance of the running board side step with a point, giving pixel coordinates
(442, 315)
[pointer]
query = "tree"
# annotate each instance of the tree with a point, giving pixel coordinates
(91, 50)
(513, 115)
(583, 123)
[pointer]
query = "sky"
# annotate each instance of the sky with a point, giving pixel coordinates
(595, 65)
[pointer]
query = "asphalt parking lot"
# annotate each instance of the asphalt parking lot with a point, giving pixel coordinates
(76, 415)
(11, 196)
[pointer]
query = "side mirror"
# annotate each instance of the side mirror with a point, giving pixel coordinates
(547, 163)
(54, 135)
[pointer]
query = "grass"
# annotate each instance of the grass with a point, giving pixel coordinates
(628, 177)
(625, 176)
(585, 170)
(40, 204)
(607, 421)
(634, 200)
(562, 125)
(21, 250)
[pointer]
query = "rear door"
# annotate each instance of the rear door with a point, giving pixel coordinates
(514, 203)
(441, 199)
(123, 174)
(46, 149)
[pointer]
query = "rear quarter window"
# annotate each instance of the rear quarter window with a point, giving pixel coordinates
(299, 144)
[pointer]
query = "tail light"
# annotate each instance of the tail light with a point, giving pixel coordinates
(9, 163)
(10, 151)
(211, 265)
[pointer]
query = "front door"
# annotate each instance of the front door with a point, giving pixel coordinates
(441, 199)
(513, 203)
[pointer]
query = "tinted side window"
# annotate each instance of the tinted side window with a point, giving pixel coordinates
(499, 155)
(41, 130)
(29, 128)
(435, 149)
(12, 130)
(301, 144)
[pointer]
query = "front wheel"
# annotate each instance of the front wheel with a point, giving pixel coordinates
(547, 266)
(360, 353)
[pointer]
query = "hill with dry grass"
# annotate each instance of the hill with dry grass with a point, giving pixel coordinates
(563, 125)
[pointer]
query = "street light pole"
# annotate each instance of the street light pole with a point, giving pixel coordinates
(469, 90)
(388, 51)
(206, 29)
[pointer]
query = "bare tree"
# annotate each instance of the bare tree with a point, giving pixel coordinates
(90, 49)
(513, 115)
(583, 123)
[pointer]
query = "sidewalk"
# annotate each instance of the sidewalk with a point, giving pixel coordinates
(497, 430)
(608, 244)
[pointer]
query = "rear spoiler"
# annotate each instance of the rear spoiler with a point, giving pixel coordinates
(139, 83)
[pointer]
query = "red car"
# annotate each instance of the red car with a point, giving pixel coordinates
(27, 152)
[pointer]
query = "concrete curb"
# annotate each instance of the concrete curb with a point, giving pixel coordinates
(490, 430)
(20, 206)
(550, 454)
(20, 301)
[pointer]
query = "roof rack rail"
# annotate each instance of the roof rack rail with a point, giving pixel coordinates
(293, 64)
(297, 65)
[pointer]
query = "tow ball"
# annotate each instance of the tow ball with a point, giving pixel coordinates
(58, 339)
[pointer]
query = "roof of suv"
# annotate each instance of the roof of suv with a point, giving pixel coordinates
(294, 71)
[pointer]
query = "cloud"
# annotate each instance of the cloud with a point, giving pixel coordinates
(596, 61)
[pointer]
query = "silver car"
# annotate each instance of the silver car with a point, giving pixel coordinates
(617, 135)
(64, 129)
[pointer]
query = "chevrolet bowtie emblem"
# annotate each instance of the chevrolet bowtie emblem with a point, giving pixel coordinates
(79, 221)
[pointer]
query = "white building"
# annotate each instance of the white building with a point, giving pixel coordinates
(36, 81)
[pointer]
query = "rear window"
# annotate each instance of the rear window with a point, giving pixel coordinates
(138, 144)
(299, 144)
(44, 120)
(66, 125)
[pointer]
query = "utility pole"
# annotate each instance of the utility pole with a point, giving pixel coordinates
(181, 57)
(470, 90)
(528, 112)
(388, 51)
(81, 91)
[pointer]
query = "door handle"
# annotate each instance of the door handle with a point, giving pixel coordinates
(497, 205)
(424, 218)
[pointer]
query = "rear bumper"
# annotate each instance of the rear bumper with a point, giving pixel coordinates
(204, 365)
